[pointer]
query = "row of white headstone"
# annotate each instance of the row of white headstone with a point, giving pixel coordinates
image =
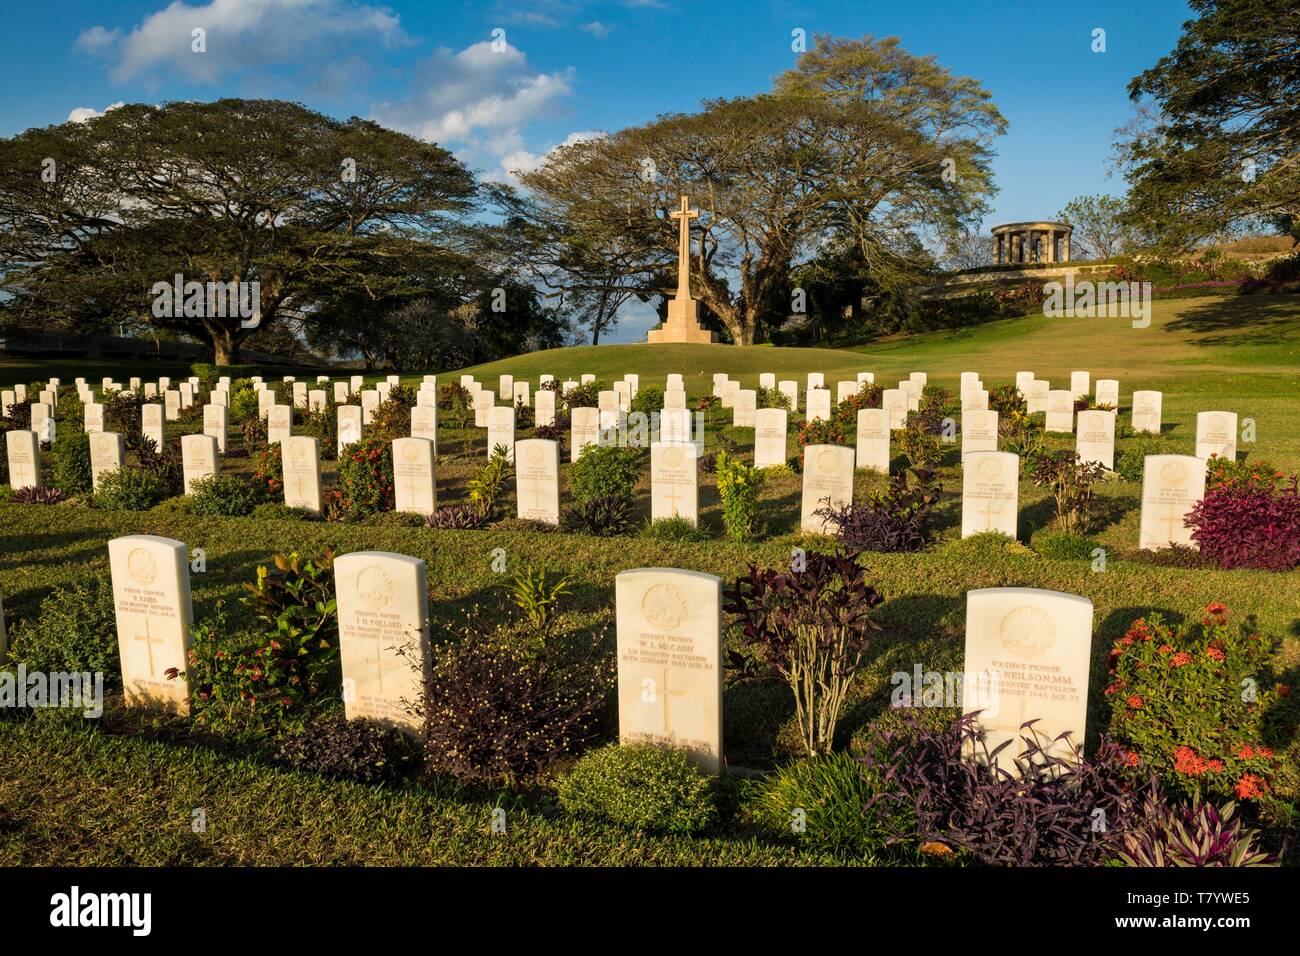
(1027, 650)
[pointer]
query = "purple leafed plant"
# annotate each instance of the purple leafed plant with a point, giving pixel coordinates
(1243, 526)
(1191, 834)
(1055, 812)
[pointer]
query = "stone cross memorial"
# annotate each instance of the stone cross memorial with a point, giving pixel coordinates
(151, 601)
(669, 661)
(1171, 486)
(1027, 658)
(383, 614)
(990, 492)
(537, 480)
(827, 482)
(682, 323)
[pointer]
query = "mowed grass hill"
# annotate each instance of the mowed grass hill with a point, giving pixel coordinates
(1239, 354)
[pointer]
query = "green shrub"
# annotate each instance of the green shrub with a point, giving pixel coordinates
(488, 483)
(229, 496)
(640, 787)
(609, 517)
(243, 403)
(76, 630)
(605, 471)
(772, 398)
(128, 489)
(649, 400)
(365, 477)
(1130, 456)
(823, 803)
(1064, 546)
(674, 529)
(738, 486)
(70, 462)
(275, 511)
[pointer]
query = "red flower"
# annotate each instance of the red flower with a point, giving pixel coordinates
(1179, 659)
(1283, 690)
(1215, 653)
(1250, 786)
(1245, 751)
(1165, 649)
(1111, 689)
(1135, 702)
(1131, 759)
(1216, 608)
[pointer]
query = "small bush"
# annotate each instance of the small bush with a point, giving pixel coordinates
(772, 398)
(649, 400)
(1064, 546)
(275, 511)
(165, 464)
(456, 517)
(1070, 480)
(892, 521)
(76, 630)
(127, 489)
(738, 487)
(639, 787)
(228, 496)
(603, 517)
(832, 791)
(499, 707)
(1248, 525)
(365, 477)
(673, 529)
(70, 462)
(605, 471)
(363, 750)
(1178, 709)
(1131, 454)
(1191, 834)
(488, 483)
(37, 496)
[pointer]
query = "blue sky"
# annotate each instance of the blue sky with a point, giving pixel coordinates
(569, 68)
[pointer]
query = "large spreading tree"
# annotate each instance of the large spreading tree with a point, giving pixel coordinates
(1222, 149)
(860, 145)
(93, 215)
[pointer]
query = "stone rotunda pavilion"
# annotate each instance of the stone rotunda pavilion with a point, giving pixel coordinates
(1031, 242)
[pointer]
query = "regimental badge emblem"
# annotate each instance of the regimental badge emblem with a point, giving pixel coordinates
(1174, 474)
(374, 586)
(664, 606)
(142, 567)
(1028, 632)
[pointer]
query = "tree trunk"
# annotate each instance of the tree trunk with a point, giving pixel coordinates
(225, 347)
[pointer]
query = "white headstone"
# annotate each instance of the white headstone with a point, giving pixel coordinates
(1216, 434)
(215, 423)
(669, 661)
(415, 488)
(979, 431)
(1036, 395)
(1080, 384)
(544, 407)
(199, 459)
(990, 493)
(151, 424)
(172, 404)
(300, 469)
(279, 423)
(316, 400)
(1108, 392)
(506, 388)
(151, 598)
(873, 439)
(383, 635)
(1171, 486)
(827, 482)
(1146, 411)
(23, 452)
(584, 430)
(1096, 441)
(767, 380)
(1030, 650)
(92, 416)
(106, 454)
(815, 380)
(370, 400)
(349, 425)
(43, 421)
(895, 403)
(770, 426)
(340, 392)
(1060, 410)
(819, 404)
(424, 424)
(790, 389)
(744, 409)
(501, 430)
(674, 481)
(537, 479)
(974, 400)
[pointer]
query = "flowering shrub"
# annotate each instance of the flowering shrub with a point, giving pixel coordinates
(1005, 399)
(1227, 473)
(365, 477)
(1247, 523)
(269, 470)
(1191, 704)
(826, 431)
(892, 520)
(738, 486)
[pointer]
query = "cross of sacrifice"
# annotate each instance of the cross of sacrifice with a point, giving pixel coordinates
(149, 642)
(684, 217)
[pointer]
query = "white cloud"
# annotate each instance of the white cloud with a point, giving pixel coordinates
(521, 160)
(240, 34)
(83, 113)
(596, 29)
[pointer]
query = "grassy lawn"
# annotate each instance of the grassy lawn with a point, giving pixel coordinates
(123, 793)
